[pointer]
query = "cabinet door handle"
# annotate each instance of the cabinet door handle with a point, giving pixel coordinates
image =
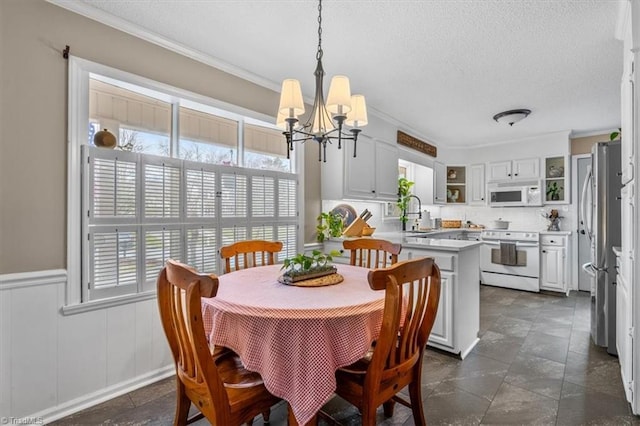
(373, 191)
(551, 241)
(544, 251)
(516, 174)
(509, 174)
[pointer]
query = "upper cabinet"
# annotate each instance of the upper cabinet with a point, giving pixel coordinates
(629, 120)
(456, 184)
(528, 168)
(476, 184)
(371, 175)
(439, 183)
(556, 180)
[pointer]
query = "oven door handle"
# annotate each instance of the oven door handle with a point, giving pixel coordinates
(518, 244)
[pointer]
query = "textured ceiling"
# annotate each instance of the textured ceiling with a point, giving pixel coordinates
(440, 68)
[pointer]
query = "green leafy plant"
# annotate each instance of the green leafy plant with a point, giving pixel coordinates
(553, 191)
(615, 135)
(329, 225)
(404, 190)
(303, 264)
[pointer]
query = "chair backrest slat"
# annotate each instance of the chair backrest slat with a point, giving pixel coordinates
(412, 293)
(372, 253)
(180, 290)
(245, 254)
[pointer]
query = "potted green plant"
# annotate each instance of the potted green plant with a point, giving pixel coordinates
(329, 225)
(404, 191)
(615, 135)
(553, 191)
(303, 267)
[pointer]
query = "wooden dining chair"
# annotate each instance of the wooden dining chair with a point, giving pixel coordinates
(412, 293)
(250, 253)
(372, 253)
(219, 386)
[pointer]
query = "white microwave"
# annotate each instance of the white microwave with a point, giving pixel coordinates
(515, 194)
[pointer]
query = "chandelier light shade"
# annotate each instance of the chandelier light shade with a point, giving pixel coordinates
(327, 119)
(511, 116)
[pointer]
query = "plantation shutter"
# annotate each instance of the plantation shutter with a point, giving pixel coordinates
(160, 245)
(233, 187)
(161, 188)
(202, 249)
(201, 193)
(288, 234)
(263, 196)
(287, 198)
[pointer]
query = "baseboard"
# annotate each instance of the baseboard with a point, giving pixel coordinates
(70, 407)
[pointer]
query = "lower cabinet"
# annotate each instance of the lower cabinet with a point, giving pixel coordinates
(442, 331)
(337, 245)
(554, 267)
(458, 319)
(624, 329)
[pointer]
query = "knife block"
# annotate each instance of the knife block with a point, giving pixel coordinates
(355, 229)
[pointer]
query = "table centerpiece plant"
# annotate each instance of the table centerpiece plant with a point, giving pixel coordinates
(303, 267)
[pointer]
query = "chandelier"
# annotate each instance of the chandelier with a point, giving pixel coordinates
(325, 124)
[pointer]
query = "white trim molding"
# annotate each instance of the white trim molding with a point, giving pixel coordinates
(31, 279)
(98, 397)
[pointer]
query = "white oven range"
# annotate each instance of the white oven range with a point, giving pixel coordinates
(510, 259)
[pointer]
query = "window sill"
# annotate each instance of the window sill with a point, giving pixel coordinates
(95, 305)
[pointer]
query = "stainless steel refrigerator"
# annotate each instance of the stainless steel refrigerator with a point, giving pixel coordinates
(600, 216)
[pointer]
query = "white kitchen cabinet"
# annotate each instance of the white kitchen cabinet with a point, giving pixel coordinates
(556, 176)
(371, 175)
(330, 245)
(439, 183)
(476, 184)
(386, 171)
(456, 184)
(629, 117)
(624, 330)
(527, 168)
(458, 319)
(442, 331)
(554, 267)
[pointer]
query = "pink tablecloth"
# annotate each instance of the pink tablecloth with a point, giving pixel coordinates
(295, 337)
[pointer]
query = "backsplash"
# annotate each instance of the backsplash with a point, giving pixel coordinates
(520, 218)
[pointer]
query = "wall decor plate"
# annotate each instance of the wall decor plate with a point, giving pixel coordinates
(347, 213)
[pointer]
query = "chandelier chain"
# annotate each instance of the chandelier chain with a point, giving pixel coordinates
(319, 54)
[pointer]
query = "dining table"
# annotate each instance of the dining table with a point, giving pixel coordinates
(296, 337)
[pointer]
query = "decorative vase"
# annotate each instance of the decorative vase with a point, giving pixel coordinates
(555, 197)
(105, 139)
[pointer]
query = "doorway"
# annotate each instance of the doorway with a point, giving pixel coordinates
(584, 245)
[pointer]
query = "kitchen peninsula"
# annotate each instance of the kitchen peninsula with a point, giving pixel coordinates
(457, 323)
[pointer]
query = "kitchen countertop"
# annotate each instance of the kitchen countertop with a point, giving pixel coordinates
(409, 239)
(555, 232)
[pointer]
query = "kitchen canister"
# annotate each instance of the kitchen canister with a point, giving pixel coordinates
(426, 219)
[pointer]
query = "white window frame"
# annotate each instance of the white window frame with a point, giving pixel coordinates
(80, 71)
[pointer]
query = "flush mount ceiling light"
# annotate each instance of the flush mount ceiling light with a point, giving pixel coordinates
(320, 127)
(511, 116)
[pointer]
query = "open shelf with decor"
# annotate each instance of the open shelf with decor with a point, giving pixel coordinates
(456, 185)
(556, 182)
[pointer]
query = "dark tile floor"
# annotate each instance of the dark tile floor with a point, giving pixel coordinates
(534, 364)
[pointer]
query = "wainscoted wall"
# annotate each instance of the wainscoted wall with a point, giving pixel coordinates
(52, 365)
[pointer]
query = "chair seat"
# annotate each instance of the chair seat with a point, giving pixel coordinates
(233, 374)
